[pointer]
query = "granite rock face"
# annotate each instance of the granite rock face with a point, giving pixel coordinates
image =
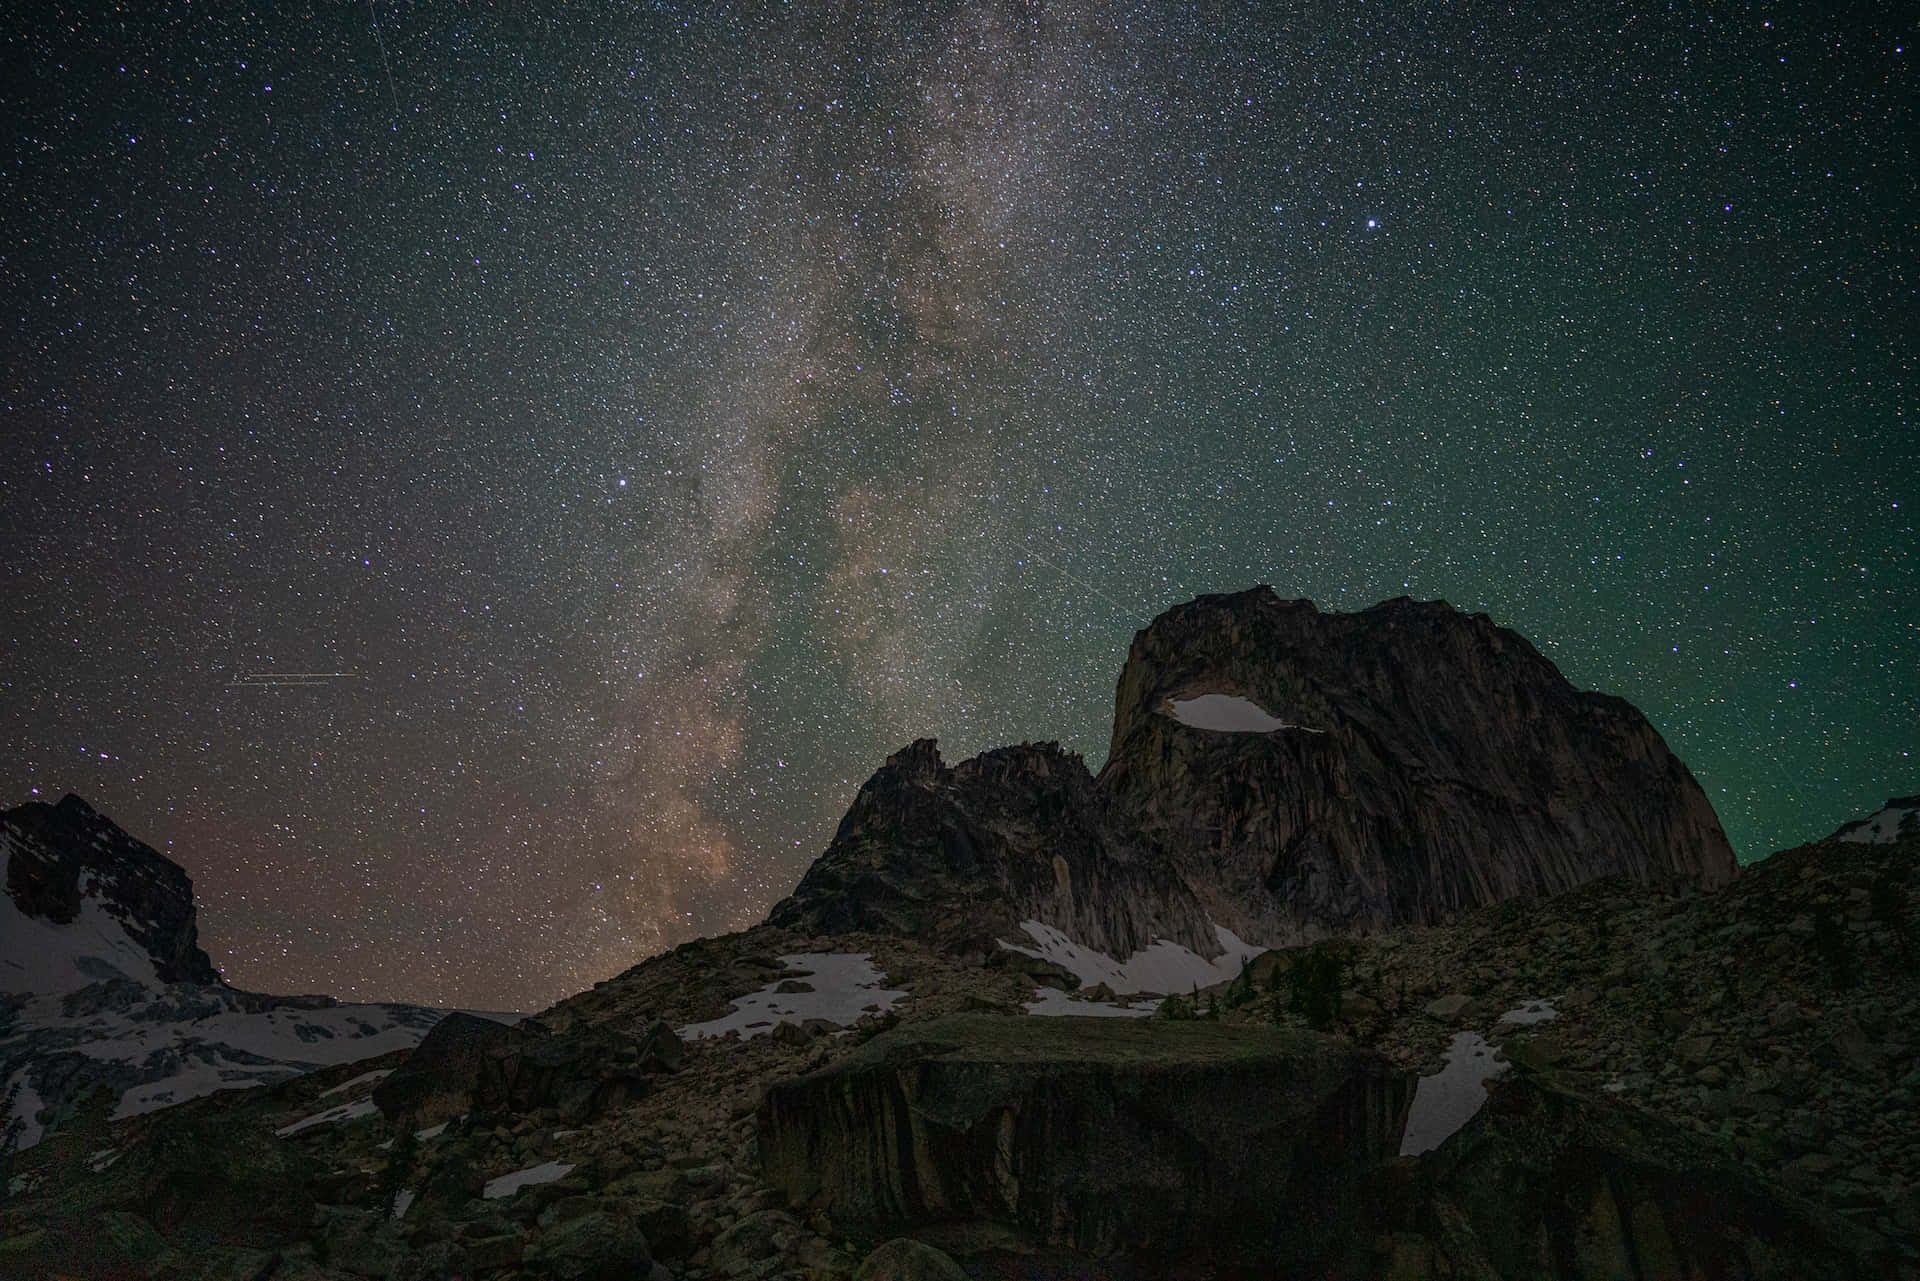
(960, 856)
(58, 854)
(1432, 763)
(1550, 1184)
(1174, 1149)
(1425, 762)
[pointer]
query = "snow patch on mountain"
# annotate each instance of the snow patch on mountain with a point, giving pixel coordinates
(1164, 967)
(332, 1116)
(1228, 714)
(508, 1184)
(156, 1048)
(1454, 1095)
(1052, 1001)
(841, 987)
(1900, 818)
(45, 958)
(25, 1113)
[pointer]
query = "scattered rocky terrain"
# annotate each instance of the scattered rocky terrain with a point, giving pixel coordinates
(1752, 1044)
(1519, 1019)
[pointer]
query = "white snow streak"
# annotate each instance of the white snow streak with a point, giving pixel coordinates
(26, 1107)
(508, 1184)
(362, 1079)
(1540, 1011)
(1051, 1000)
(846, 988)
(332, 1116)
(1454, 1095)
(1164, 968)
(1228, 714)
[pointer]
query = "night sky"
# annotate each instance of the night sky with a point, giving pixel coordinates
(661, 413)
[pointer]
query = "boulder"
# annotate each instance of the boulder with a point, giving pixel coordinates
(468, 1064)
(1167, 1145)
(904, 1259)
(1550, 1184)
(1454, 1008)
(600, 1246)
(439, 1079)
(206, 1159)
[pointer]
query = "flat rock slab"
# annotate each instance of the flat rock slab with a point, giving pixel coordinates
(1170, 1145)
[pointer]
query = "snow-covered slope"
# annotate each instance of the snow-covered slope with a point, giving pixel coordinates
(1164, 968)
(838, 987)
(42, 956)
(103, 984)
(1898, 819)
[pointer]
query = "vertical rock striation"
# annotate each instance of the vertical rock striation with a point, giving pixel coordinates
(1432, 762)
(960, 856)
(1175, 1149)
(1425, 762)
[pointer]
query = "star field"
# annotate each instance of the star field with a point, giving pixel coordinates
(659, 414)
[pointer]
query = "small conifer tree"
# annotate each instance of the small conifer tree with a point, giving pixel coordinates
(1240, 991)
(1314, 987)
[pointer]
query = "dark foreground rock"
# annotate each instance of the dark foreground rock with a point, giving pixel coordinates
(468, 1064)
(1146, 1146)
(1548, 1185)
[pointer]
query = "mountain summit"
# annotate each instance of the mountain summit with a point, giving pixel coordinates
(1280, 774)
(103, 985)
(91, 903)
(1425, 762)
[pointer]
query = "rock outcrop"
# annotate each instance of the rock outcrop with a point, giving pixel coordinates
(1397, 766)
(60, 856)
(1174, 1149)
(1552, 1186)
(960, 856)
(469, 1064)
(1431, 763)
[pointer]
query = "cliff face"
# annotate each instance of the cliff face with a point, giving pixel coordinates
(960, 856)
(1412, 761)
(1430, 762)
(1179, 1150)
(56, 855)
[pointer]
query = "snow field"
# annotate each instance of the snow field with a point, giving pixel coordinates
(1164, 968)
(1884, 828)
(1229, 714)
(846, 988)
(1454, 1095)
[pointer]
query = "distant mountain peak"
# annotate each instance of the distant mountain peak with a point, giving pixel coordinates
(1897, 820)
(92, 898)
(105, 983)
